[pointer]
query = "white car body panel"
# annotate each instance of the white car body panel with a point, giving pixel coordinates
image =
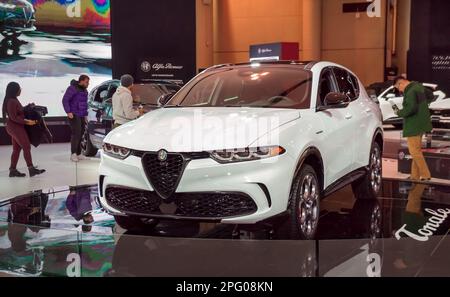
(344, 138)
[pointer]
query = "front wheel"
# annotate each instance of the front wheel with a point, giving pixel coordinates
(87, 148)
(369, 186)
(304, 205)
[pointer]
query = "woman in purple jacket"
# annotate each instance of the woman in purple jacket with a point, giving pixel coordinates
(15, 126)
(75, 103)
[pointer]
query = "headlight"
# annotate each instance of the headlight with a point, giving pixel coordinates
(116, 151)
(247, 154)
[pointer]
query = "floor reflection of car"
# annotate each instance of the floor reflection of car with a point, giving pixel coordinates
(100, 120)
(16, 17)
(391, 96)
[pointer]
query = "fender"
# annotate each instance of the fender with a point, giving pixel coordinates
(311, 151)
(378, 132)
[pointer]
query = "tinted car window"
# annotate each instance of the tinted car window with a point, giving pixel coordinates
(261, 86)
(147, 94)
(325, 85)
(355, 85)
(393, 91)
(345, 83)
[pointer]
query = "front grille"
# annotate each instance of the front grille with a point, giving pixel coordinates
(183, 205)
(164, 175)
(440, 112)
(187, 156)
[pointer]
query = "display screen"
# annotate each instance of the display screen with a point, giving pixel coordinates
(47, 43)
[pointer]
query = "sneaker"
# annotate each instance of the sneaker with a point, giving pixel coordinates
(82, 158)
(74, 158)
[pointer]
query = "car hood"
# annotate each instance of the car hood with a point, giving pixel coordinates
(441, 104)
(201, 129)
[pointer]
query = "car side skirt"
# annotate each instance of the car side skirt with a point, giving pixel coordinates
(345, 181)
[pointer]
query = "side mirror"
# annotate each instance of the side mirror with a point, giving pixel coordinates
(335, 100)
(162, 101)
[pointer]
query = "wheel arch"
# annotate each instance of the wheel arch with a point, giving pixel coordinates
(312, 157)
(378, 137)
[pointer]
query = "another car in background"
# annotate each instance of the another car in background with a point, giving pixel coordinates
(391, 96)
(100, 119)
(16, 16)
(440, 115)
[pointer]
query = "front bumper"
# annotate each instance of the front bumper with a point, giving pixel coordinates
(440, 122)
(266, 182)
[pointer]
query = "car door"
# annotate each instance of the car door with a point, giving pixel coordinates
(362, 116)
(337, 136)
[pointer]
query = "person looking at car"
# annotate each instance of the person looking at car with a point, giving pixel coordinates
(417, 122)
(75, 105)
(122, 102)
(14, 115)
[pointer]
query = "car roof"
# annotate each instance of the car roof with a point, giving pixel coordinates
(306, 65)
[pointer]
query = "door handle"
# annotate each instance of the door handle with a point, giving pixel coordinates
(348, 117)
(368, 110)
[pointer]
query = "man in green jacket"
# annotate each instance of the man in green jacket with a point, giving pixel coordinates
(417, 122)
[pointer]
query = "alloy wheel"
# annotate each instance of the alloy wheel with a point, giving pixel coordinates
(375, 170)
(308, 208)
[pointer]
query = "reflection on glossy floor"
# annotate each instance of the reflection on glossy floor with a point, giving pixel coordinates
(403, 233)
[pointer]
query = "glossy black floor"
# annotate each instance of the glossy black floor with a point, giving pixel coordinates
(403, 233)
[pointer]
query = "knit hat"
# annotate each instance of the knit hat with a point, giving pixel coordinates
(126, 80)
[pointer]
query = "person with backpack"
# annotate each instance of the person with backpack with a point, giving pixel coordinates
(417, 122)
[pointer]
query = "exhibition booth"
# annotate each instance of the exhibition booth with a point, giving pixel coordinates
(267, 139)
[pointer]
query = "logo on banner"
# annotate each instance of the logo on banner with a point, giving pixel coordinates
(264, 51)
(146, 66)
(167, 66)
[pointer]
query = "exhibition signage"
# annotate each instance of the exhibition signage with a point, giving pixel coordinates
(274, 51)
(161, 69)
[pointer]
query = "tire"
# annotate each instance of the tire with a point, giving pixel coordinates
(369, 186)
(87, 148)
(132, 223)
(304, 204)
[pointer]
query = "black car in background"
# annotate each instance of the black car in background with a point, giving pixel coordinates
(150, 96)
(16, 16)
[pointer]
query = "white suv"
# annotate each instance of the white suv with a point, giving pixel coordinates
(243, 143)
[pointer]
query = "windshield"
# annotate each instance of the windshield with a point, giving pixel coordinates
(263, 86)
(147, 94)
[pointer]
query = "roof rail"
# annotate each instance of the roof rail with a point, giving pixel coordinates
(308, 64)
